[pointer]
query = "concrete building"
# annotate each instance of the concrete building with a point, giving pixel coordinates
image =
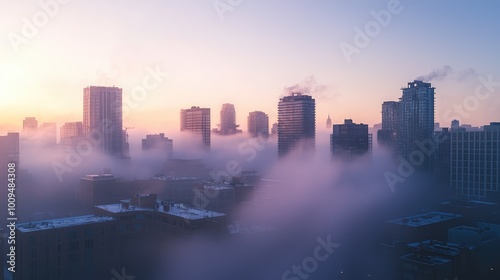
(158, 143)
(82, 248)
(475, 163)
(197, 120)
(102, 118)
(296, 123)
(430, 225)
(416, 120)
(349, 140)
(258, 124)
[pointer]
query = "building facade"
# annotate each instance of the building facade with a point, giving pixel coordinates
(415, 120)
(228, 124)
(475, 162)
(197, 121)
(296, 123)
(349, 140)
(102, 118)
(258, 124)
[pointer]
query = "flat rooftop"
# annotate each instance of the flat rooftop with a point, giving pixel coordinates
(424, 219)
(176, 209)
(60, 223)
(95, 177)
(442, 248)
(425, 259)
(171, 178)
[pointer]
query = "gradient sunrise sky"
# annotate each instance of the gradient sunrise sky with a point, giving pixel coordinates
(246, 57)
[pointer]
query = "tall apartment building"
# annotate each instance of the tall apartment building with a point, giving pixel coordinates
(296, 123)
(415, 119)
(390, 113)
(258, 124)
(228, 124)
(475, 162)
(197, 121)
(349, 140)
(102, 118)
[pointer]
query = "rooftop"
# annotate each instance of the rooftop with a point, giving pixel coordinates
(173, 178)
(94, 177)
(60, 223)
(425, 259)
(176, 209)
(449, 249)
(424, 219)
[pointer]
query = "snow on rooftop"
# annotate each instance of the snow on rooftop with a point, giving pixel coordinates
(424, 219)
(59, 223)
(176, 209)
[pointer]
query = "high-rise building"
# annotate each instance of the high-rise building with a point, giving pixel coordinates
(158, 142)
(71, 133)
(228, 124)
(30, 126)
(102, 118)
(387, 135)
(197, 120)
(274, 130)
(328, 122)
(415, 120)
(475, 162)
(349, 140)
(258, 124)
(296, 123)
(9, 153)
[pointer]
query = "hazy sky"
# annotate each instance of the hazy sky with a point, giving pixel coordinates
(246, 56)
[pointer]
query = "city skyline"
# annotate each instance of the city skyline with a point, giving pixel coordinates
(334, 81)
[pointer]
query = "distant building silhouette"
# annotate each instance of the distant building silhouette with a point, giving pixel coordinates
(228, 124)
(102, 118)
(274, 130)
(197, 121)
(415, 121)
(49, 133)
(71, 133)
(258, 124)
(349, 140)
(328, 122)
(296, 123)
(160, 143)
(30, 126)
(387, 136)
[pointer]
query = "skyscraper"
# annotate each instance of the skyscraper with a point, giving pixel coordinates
(197, 120)
(328, 122)
(228, 124)
(387, 135)
(415, 120)
(349, 140)
(258, 124)
(102, 118)
(296, 123)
